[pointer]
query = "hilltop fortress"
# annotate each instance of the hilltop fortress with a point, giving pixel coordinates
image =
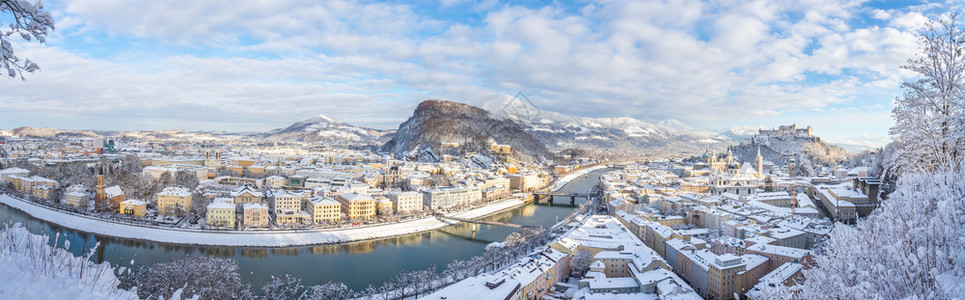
(785, 132)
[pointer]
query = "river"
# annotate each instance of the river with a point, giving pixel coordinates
(356, 264)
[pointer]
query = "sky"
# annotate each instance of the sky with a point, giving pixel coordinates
(258, 65)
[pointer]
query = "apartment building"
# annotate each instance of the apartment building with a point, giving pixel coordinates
(221, 214)
(254, 215)
(357, 206)
(405, 202)
(324, 209)
(173, 199)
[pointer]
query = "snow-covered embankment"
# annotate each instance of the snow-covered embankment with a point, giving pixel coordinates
(244, 238)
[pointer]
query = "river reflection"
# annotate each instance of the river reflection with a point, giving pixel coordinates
(356, 264)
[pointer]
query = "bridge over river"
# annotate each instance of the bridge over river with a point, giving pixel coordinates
(549, 197)
(484, 222)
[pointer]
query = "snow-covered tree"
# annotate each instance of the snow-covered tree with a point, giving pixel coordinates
(929, 116)
(912, 247)
(186, 179)
(204, 276)
(29, 22)
(329, 290)
(404, 281)
(581, 261)
(283, 287)
(166, 179)
(199, 204)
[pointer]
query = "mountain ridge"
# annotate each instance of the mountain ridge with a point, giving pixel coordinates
(437, 126)
(613, 134)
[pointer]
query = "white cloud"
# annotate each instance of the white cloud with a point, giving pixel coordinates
(691, 60)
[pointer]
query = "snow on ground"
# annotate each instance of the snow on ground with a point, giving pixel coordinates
(31, 269)
(566, 179)
(242, 238)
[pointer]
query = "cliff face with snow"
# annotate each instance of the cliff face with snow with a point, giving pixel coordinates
(558, 131)
(324, 129)
(438, 126)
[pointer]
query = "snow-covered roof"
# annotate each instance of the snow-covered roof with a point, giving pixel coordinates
(779, 250)
(352, 197)
(113, 191)
(221, 205)
(324, 201)
(175, 191)
(133, 202)
(247, 206)
(484, 286)
(245, 189)
(14, 171)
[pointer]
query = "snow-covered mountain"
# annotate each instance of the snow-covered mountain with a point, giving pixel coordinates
(439, 126)
(558, 131)
(739, 133)
(322, 128)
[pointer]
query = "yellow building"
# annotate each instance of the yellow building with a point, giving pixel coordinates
(133, 207)
(242, 161)
(323, 209)
(221, 214)
(172, 199)
(256, 169)
(41, 191)
(236, 169)
(670, 221)
(357, 206)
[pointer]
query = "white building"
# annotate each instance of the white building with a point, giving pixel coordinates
(405, 202)
(444, 198)
(6, 173)
(157, 171)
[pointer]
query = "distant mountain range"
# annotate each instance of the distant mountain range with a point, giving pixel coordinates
(559, 131)
(503, 118)
(324, 129)
(46, 132)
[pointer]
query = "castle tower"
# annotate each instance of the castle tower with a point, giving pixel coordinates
(759, 163)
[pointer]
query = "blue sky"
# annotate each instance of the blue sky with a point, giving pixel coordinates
(258, 65)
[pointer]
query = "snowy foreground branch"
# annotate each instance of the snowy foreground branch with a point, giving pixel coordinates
(28, 22)
(913, 247)
(32, 269)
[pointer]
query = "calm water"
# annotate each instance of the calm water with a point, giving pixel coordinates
(356, 264)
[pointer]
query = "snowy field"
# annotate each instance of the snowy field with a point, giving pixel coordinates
(566, 179)
(241, 238)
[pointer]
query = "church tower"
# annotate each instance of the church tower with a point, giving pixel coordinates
(100, 196)
(791, 168)
(759, 163)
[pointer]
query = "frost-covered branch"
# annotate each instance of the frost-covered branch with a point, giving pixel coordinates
(29, 22)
